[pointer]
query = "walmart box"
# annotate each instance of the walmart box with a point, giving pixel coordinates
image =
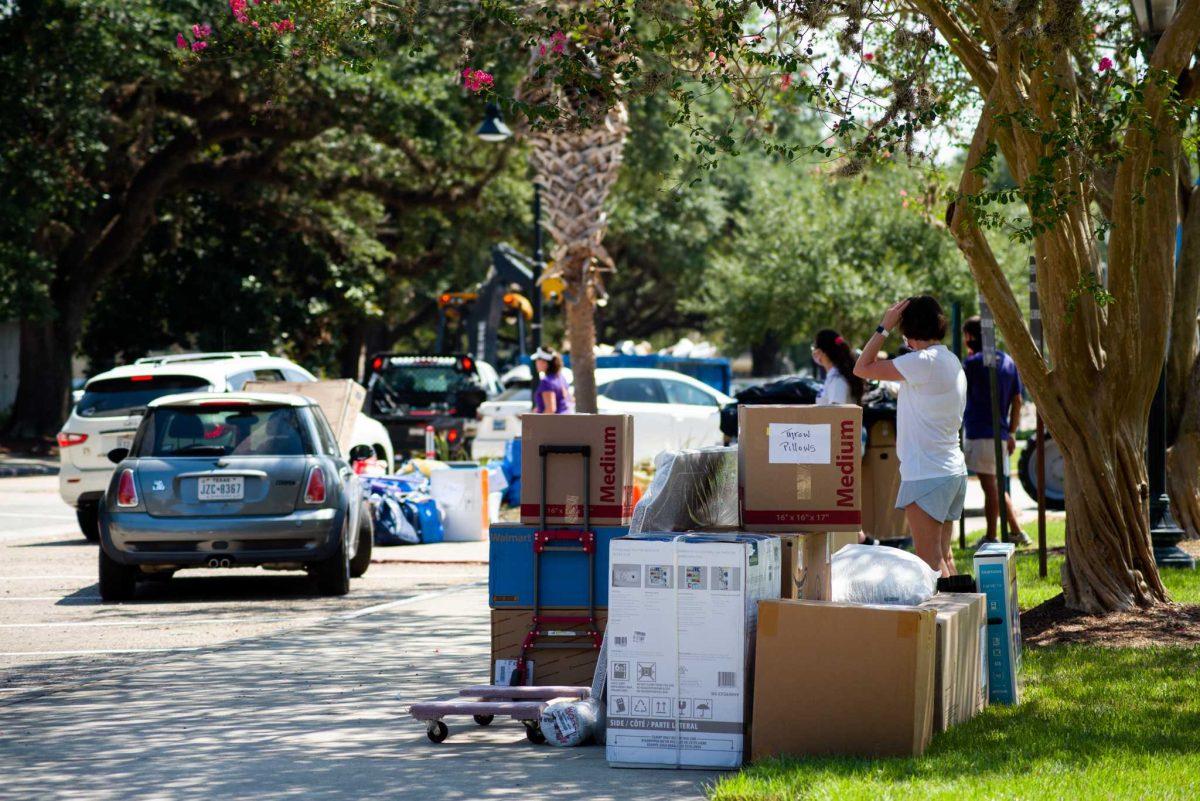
(562, 579)
(996, 574)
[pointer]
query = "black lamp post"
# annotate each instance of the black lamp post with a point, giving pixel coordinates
(493, 129)
(1153, 16)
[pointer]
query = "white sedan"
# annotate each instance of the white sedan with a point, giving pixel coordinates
(670, 411)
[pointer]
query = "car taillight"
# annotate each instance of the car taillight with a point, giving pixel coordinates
(314, 492)
(452, 436)
(377, 364)
(467, 364)
(126, 489)
(66, 440)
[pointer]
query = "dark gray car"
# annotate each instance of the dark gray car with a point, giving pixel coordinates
(232, 480)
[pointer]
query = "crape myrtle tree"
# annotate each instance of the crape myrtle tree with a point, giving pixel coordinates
(110, 107)
(1089, 120)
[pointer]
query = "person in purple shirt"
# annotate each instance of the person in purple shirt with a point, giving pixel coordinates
(552, 395)
(979, 447)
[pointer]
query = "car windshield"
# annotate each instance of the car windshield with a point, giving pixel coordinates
(418, 382)
(233, 430)
(114, 397)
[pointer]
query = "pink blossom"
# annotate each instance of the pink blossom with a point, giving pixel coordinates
(477, 80)
(786, 81)
(1105, 64)
(558, 42)
(542, 50)
(201, 31)
(238, 7)
(180, 42)
(284, 25)
(868, 56)
(198, 46)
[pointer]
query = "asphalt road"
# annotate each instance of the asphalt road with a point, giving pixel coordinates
(53, 625)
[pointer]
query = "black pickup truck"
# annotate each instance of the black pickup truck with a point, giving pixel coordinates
(408, 392)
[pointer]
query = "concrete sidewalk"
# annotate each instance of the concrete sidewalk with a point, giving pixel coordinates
(312, 713)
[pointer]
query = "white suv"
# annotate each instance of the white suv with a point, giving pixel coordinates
(112, 404)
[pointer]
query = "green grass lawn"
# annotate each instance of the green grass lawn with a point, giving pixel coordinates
(1094, 723)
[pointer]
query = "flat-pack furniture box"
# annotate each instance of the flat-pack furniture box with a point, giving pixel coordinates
(562, 577)
(609, 438)
(843, 679)
(340, 400)
(996, 575)
(681, 619)
(799, 468)
(573, 664)
(960, 675)
(462, 493)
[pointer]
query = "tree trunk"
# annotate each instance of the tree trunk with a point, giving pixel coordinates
(1110, 561)
(764, 355)
(44, 386)
(352, 355)
(1183, 459)
(581, 334)
(1183, 381)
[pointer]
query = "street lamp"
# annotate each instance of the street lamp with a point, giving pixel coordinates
(1153, 16)
(493, 129)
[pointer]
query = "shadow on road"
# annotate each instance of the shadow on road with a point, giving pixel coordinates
(317, 713)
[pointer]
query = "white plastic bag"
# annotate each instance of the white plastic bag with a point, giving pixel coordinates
(877, 574)
(570, 723)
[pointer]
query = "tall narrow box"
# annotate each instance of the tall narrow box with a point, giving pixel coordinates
(960, 672)
(609, 439)
(996, 575)
(681, 620)
(800, 468)
(844, 679)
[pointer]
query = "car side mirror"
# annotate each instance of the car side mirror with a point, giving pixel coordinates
(118, 455)
(360, 452)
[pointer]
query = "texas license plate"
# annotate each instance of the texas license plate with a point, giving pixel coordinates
(222, 488)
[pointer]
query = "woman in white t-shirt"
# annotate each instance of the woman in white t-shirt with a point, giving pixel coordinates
(929, 411)
(833, 354)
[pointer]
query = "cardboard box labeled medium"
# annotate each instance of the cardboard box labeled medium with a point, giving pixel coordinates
(681, 618)
(610, 468)
(799, 468)
(842, 679)
(960, 672)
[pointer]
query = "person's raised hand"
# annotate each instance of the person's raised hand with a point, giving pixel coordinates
(891, 317)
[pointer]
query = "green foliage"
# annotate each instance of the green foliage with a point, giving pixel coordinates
(809, 251)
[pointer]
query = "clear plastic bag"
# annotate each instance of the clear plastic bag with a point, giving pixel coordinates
(691, 490)
(876, 574)
(570, 723)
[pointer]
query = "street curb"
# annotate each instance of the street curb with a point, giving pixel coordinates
(18, 471)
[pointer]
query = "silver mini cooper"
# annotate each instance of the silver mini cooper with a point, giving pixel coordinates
(232, 480)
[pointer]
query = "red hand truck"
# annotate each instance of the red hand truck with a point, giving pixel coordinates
(546, 540)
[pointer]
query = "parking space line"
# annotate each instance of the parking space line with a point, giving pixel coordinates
(101, 651)
(48, 578)
(162, 621)
(77, 600)
(33, 515)
(426, 596)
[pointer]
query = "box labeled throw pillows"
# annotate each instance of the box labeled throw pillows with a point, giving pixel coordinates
(681, 619)
(609, 439)
(842, 679)
(800, 468)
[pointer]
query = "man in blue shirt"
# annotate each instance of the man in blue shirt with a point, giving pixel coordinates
(979, 447)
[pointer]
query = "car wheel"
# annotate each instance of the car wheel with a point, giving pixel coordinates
(333, 574)
(366, 539)
(1027, 473)
(88, 515)
(117, 581)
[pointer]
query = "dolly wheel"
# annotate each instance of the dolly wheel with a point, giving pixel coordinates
(534, 732)
(437, 731)
(484, 720)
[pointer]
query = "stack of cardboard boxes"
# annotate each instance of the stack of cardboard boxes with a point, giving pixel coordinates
(704, 627)
(881, 481)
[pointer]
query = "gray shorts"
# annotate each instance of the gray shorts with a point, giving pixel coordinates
(941, 498)
(980, 455)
